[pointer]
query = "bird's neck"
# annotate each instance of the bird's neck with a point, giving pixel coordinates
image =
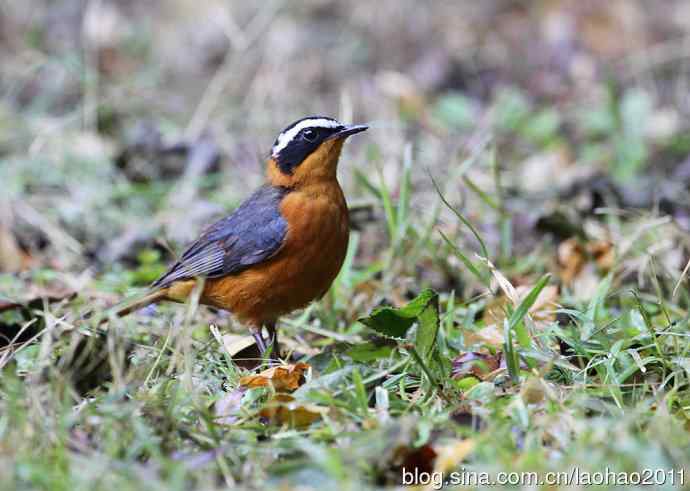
(316, 185)
(324, 187)
(322, 182)
(319, 169)
(322, 177)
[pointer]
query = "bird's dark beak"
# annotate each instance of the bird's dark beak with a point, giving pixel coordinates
(349, 130)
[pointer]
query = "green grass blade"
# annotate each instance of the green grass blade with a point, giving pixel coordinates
(483, 278)
(518, 314)
(460, 217)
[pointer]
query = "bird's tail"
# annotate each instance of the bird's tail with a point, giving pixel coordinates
(128, 306)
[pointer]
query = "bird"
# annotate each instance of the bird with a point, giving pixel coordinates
(281, 248)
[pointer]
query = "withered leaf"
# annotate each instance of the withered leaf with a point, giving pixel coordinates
(281, 378)
(283, 409)
(475, 363)
(451, 454)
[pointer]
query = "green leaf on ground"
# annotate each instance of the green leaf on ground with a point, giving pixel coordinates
(394, 323)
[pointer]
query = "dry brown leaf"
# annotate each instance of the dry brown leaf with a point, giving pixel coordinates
(289, 345)
(578, 262)
(242, 349)
(12, 258)
(282, 378)
(542, 311)
(571, 259)
(503, 283)
(451, 454)
(283, 409)
(544, 307)
(601, 29)
(490, 335)
(603, 253)
(495, 311)
(481, 365)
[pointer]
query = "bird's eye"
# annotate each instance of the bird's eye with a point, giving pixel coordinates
(309, 135)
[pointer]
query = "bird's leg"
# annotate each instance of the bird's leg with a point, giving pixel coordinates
(273, 339)
(259, 339)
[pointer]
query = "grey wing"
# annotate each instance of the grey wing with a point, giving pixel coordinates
(253, 233)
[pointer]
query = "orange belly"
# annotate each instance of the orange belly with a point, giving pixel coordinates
(301, 271)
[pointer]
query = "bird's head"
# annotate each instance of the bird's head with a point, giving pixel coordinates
(308, 150)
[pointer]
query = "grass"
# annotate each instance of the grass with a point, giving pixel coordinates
(513, 297)
(588, 380)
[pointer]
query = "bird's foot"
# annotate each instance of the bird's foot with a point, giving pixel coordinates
(260, 343)
(272, 348)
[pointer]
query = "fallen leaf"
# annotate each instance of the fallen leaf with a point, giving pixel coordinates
(544, 307)
(571, 259)
(242, 349)
(503, 283)
(283, 409)
(281, 378)
(481, 365)
(600, 30)
(12, 258)
(450, 455)
(234, 344)
(603, 253)
(542, 311)
(490, 335)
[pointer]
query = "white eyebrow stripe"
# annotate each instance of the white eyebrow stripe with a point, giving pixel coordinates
(286, 137)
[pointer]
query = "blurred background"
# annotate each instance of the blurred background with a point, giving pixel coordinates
(125, 126)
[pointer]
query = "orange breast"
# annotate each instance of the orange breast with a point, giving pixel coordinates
(302, 270)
